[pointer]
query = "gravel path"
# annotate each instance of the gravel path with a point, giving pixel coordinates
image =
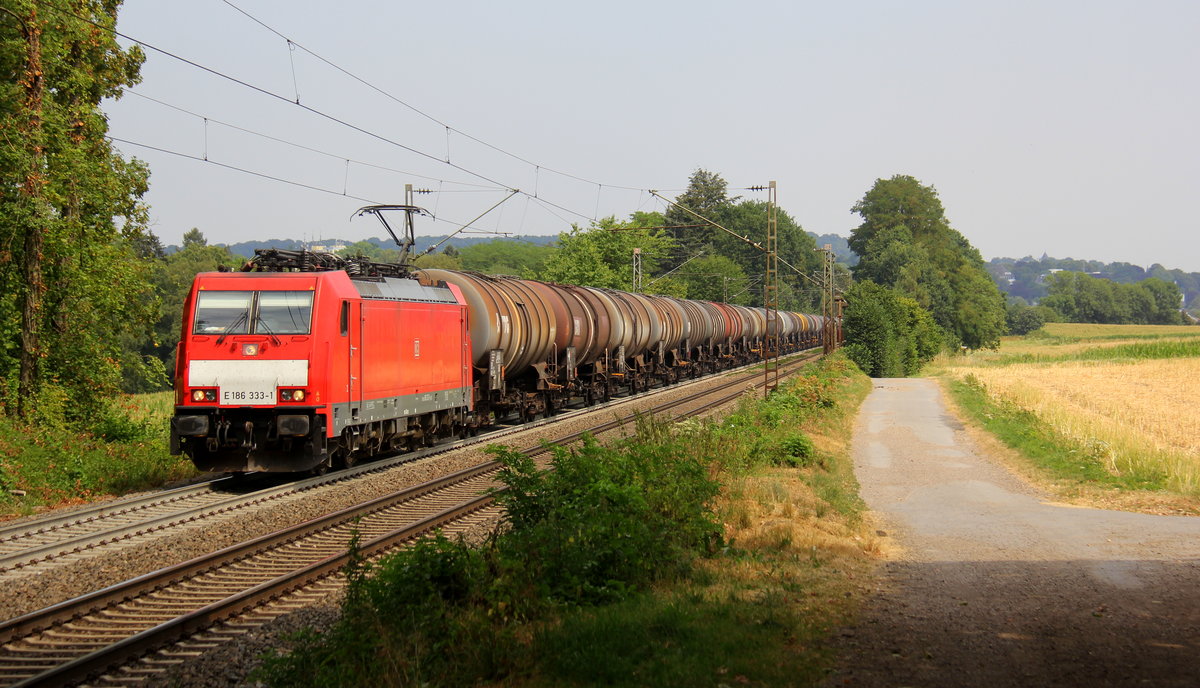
(994, 585)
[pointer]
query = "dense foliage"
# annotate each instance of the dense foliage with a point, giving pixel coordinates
(172, 277)
(602, 255)
(707, 195)
(73, 296)
(1026, 278)
(600, 525)
(888, 334)
(906, 242)
(611, 536)
(1022, 318)
(1077, 297)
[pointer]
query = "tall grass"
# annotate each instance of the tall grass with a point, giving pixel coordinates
(1075, 332)
(624, 567)
(1121, 398)
(124, 450)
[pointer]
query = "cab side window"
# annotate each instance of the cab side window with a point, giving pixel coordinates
(345, 319)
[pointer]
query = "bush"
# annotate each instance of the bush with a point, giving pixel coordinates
(797, 450)
(1022, 319)
(606, 521)
(604, 529)
(887, 334)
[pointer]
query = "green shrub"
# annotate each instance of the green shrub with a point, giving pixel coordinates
(605, 521)
(888, 334)
(797, 450)
(600, 530)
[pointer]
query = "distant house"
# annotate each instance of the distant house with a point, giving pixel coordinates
(1041, 279)
(326, 248)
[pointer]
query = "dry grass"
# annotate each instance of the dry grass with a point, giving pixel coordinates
(804, 535)
(1137, 416)
(779, 512)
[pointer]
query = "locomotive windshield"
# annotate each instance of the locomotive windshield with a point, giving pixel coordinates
(223, 312)
(283, 312)
(251, 312)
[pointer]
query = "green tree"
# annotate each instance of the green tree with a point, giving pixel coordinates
(1022, 318)
(602, 255)
(796, 249)
(906, 242)
(1165, 301)
(71, 222)
(440, 261)
(506, 257)
(370, 251)
(888, 334)
(715, 278)
(707, 195)
(1083, 298)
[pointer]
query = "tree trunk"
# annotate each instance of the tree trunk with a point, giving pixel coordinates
(35, 288)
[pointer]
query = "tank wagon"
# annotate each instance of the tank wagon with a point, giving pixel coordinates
(306, 361)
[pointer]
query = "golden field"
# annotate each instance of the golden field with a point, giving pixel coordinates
(1118, 403)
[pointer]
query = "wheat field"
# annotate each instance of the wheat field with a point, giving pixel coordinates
(1138, 416)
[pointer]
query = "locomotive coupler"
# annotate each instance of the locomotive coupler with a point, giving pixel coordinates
(248, 441)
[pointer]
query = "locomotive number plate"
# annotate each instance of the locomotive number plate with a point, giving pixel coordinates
(248, 396)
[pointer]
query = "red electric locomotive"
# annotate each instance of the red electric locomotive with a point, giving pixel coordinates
(298, 371)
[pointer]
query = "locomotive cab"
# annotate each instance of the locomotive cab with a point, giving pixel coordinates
(299, 371)
(247, 398)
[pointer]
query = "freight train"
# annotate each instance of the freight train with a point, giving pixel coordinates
(305, 361)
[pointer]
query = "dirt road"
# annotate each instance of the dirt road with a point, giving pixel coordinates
(994, 585)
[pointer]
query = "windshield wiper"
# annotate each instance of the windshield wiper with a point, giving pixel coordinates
(263, 323)
(240, 319)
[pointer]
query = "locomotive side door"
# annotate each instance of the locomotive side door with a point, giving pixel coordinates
(352, 311)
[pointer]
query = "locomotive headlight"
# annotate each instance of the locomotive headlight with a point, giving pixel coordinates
(204, 395)
(198, 395)
(291, 394)
(250, 349)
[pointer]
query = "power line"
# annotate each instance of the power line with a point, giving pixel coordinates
(296, 102)
(417, 110)
(237, 169)
(272, 94)
(290, 182)
(301, 146)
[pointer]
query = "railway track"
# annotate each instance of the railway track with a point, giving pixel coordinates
(28, 545)
(88, 531)
(82, 638)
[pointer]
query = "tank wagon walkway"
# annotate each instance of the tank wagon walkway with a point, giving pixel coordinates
(994, 586)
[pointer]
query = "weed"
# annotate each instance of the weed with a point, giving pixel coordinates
(614, 568)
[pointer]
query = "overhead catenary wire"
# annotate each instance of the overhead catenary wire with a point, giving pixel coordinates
(292, 45)
(342, 122)
(271, 94)
(449, 128)
(337, 156)
(290, 182)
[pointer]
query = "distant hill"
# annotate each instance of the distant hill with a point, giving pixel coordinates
(246, 248)
(1025, 277)
(840, 246)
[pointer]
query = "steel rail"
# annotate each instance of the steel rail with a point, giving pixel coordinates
(93, 663)
(106, 524)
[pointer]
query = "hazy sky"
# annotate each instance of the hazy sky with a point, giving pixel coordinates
(1068, 128)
